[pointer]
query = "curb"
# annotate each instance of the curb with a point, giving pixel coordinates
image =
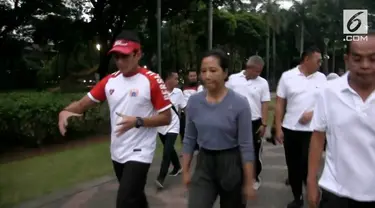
(55, 196)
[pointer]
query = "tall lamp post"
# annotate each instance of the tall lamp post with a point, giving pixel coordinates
(159, 36)
(97, 76)
(210, 14)
(325, 68)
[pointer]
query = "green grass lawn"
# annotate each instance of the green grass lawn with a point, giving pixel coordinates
(30, 178)
(37, 176)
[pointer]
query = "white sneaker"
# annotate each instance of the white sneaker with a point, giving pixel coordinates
(175, 173)
(257, 184)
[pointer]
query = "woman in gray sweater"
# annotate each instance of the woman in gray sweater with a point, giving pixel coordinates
(219, 121)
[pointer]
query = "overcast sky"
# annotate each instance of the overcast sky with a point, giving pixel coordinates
(283, 4)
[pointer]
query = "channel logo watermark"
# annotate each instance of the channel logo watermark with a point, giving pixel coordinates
(355, 24)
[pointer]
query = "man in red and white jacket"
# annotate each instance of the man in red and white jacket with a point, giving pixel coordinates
(138, 102)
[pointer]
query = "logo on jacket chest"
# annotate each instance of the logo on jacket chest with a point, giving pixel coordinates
(133, 92)
(111, 91)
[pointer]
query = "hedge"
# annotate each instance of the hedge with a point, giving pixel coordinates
(30, 118)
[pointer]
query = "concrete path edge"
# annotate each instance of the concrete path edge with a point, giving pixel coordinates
(54, 196)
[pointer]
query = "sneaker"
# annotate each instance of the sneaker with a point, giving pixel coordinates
(287, 182)
(257, 183)
(175, 172)
(297, 203)
(271, 140)
(159, 184)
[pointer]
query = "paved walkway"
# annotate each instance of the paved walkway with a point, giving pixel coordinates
(272, 194)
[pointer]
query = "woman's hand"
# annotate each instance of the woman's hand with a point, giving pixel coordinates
(249, 192)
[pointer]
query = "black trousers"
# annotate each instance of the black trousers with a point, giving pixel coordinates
(217, 173)
(132, 177)
(182, 126)
(296, 146)
(169, 155)
(330, 200)
(257, 147)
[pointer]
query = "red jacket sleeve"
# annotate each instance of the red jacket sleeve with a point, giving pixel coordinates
(97, 93)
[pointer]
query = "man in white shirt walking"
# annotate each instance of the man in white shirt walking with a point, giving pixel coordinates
(345, 116)
(168, 134)
(255, 88)
(295, 101)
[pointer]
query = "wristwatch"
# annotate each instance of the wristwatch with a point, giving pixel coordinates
(139, 122)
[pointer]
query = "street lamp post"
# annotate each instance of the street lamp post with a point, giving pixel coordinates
(210, 14)
(325, 68)
(159, 36)
(97, 76)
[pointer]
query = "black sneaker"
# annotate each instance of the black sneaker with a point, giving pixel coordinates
(159, 184)
(297, 203)
(271, 140)
(175, 172)
(287, 182)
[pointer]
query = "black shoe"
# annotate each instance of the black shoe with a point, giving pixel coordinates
(296, 204)
(271, 140)
(175, 172)
(159, 184)
(287, 182)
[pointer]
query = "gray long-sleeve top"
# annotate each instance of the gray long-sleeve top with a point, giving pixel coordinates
(219, 126)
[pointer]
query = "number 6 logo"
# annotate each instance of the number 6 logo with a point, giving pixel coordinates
(354, 20)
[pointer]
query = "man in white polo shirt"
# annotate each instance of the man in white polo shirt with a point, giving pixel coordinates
(295, 101)
(345, 116)
(168, 134)
(255, 88)
(138, 102)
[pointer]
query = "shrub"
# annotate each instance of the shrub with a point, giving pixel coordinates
(30, 118)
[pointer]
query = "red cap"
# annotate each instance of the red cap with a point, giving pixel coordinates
(125, 46)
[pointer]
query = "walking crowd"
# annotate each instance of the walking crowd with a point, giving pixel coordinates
(223, 118)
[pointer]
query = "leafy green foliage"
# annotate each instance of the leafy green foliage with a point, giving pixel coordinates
(30, 118)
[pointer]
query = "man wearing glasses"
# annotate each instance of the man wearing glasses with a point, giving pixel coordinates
(255, 88)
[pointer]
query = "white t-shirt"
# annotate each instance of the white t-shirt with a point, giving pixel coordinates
(255, 90)
(142, 94)
(179, 102)
(349, 124)
(300, 93)
(189, 91)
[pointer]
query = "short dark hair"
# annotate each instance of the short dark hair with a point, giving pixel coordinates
(128, 35)
(168, 75)
(308, 52)
(349, 43)
(221, 56)
(192, 70)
